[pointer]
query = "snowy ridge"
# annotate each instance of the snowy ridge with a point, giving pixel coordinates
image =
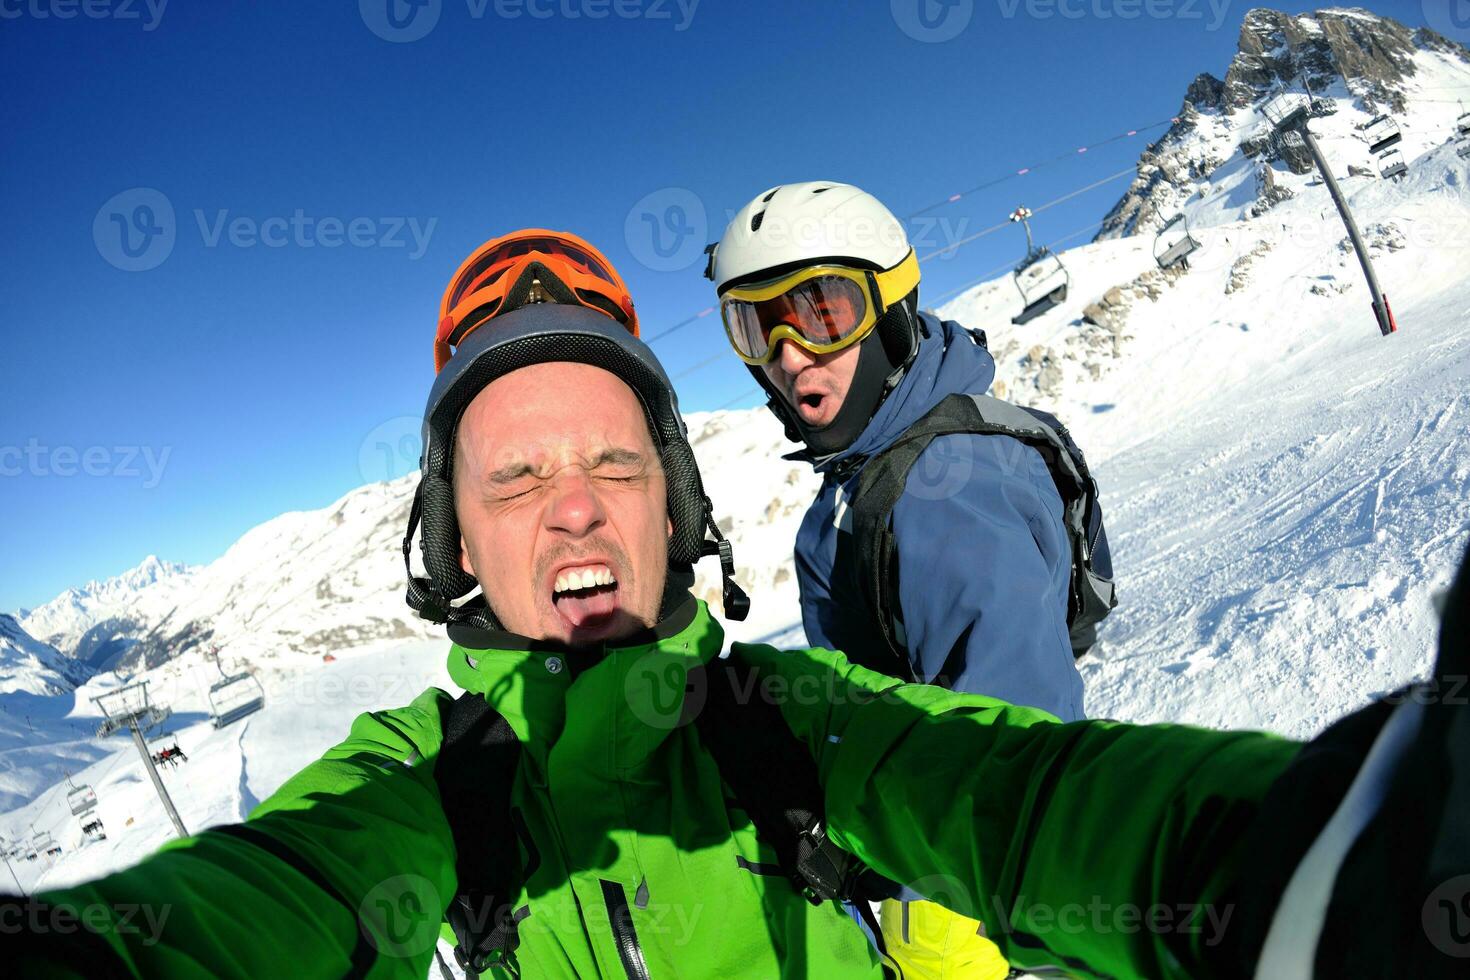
(27, 664)
(100, 620)
(1362, 64)
(1284, 490)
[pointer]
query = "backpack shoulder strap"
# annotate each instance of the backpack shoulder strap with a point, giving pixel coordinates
(475, 771)
(880, 484)
(774, 780)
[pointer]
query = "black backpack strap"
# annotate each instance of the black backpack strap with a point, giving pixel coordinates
(475, 771)
(881, 483)
(775, 781)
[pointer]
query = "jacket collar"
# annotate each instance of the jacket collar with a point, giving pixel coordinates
(621, 699)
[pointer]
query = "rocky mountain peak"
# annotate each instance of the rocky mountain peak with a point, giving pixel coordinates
(1351, 53)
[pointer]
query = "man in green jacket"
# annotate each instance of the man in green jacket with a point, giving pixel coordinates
(556, 475)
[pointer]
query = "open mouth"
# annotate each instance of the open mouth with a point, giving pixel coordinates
(585, 595)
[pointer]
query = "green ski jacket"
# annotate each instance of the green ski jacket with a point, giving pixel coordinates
(1064, 839)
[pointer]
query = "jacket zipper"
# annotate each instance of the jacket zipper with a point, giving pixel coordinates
(624, 935)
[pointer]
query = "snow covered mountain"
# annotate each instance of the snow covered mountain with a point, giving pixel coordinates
(27, 664)
(96, 623)
(1364, 64)
(1284, 488)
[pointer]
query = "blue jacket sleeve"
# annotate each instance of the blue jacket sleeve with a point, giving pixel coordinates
(984, 567)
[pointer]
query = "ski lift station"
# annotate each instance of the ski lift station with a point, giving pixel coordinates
(1173, 244)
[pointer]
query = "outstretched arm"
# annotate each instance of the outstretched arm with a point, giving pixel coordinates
(1103, 848)
(344, 871)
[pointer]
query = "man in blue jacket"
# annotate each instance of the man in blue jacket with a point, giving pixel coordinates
(818, 290)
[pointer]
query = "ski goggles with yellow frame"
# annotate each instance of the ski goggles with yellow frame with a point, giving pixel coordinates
(821, 308)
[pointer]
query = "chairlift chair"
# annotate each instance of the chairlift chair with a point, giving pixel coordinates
(1462, 125)
(94, 830)
(1464, 150)
(1381, 133)
(1391, 164)
(81, 799)
(167, 751)
(235, 696)
(1174, 244)
(1040, 276)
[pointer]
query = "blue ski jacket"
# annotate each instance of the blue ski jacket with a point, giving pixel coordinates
(983, 558)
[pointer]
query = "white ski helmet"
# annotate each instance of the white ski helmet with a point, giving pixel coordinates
(794, 225)
(822, 222)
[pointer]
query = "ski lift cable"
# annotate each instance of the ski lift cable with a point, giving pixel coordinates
(736, 400)
(1070, 154)
(1007, 266)
(1034, 211)
(696, 317)
(717, 356)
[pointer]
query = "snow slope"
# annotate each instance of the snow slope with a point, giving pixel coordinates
(1284, 489)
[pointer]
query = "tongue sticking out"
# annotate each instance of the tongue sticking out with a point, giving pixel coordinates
(584, 607)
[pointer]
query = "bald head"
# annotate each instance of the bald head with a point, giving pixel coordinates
(562, 504)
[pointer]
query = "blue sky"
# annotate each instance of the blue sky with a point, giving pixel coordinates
(298, 180)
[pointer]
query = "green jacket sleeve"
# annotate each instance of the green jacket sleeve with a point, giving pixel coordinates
(344, 871)
(1102, 848)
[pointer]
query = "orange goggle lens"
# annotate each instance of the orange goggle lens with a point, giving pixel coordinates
(488, 268)
(823, 314)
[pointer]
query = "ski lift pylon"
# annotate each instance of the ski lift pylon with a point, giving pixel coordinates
(1381, 133)
(1040, 276)
(1174, 244)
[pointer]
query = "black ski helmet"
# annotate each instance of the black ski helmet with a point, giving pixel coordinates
(534, 335)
